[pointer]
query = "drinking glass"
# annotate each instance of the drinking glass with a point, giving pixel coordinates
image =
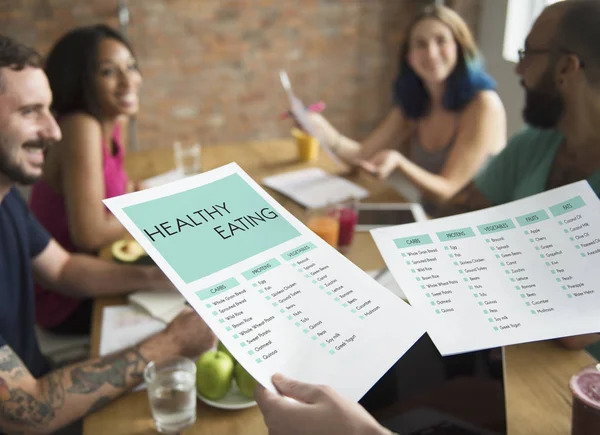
(172, 393)
(585, 387)
(187, 157)
(325, 223)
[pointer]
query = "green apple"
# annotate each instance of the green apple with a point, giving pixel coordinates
(222, 348)
(246, 383)
(214, 372)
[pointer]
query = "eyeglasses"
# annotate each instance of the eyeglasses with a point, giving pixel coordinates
(523, 52)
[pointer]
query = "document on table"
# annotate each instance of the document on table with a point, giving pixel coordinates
(519, 272)
(124, 326)
(279, 297)
(315, 188)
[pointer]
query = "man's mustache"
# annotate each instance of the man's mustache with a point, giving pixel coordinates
(41, 144)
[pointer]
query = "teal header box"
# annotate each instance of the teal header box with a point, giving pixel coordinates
(211, 227)
(567, 206)
(300, 250)
(496, 227)
(461, 233)
(217, 289)
(260, 269)
(532, 218)
(412, 242)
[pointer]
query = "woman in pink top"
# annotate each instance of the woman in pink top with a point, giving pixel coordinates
(95, 82)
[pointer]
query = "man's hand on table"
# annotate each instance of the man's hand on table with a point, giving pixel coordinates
(190, 334)
(316, 410)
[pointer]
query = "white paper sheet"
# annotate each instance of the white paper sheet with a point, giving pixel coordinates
(164, 306)
(276, 295)
(520, 272)
(315, 188)
(124, 326)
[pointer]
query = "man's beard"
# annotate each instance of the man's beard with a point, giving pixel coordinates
(11, 169)
(544, 105)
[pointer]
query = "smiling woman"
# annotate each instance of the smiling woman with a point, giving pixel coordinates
(95, 82)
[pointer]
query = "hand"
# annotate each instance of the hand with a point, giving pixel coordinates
(318, 410)
(191, 335)
(382, 164)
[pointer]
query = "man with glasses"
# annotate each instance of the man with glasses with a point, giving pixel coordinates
(560, 72)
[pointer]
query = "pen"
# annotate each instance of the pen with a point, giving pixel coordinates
(315, 107)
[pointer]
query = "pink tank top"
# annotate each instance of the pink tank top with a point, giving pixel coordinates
(49, 207)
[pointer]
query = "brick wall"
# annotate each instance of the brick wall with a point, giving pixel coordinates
(210, 66)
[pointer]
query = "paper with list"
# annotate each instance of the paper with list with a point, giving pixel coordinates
(279, 297)
(519, 272)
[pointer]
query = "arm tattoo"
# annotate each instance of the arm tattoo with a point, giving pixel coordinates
(468, 199)
(21, 408)
(113, 370)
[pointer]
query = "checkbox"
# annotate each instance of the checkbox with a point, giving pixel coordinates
(526, 232)
(470, 287)
(572, 239)
(432, 303)
(329, 293)
(423, 287)
(547, 263)
(542, 256)
(512, 280)
(465, 279)
(323, 345)
(533, 312)
(428, 295)
(418, 279)
(314, 281)
(290, 317)
(243, 344)
(258, 360)
(518, 287)
(557, 279)
(300, 270)
(314, 337)
(437, 311)
(582, 254)
(208, 305)
(560, 222)
(297, 323)
(490, 319)
(250, 352)
(502, 263)
(215, 313)
(522, 295)
(408, 262)
(306, 276)
(221, 321)
(344, 305)
(553, 272)
(566, 231)
(475, 295)
(528, 304)
(461, 271)
(492, 248)
(254, 284)
(413, 270)
(577, 247)
(404, 255)
(564, 287)
(496, 328)
(261, 292)
(228, 328)
(236, 336)
(282, 310)
(485, 312)
(487, 240)
(321, 287)
(481, 304)
(336, 299)
(332, 351)
(456, 263)
(446, 248)
(569, 296)
(451, 255)
(497, 256)
(507, 272)
(306, 331)
(537, 248)
(268, 298)
(354, 311)
(362, 317)
(531, 240)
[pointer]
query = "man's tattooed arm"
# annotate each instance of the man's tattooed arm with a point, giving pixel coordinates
(43, 405)
(468, 199)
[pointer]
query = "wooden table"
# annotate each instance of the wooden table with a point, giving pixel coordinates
(536, 374)
(538, 400)
(131, 413)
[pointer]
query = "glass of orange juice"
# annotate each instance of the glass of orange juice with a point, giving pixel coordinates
(325, 223)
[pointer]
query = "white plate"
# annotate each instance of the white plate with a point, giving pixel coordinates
(233, 399)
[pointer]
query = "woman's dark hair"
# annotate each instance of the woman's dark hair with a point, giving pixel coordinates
(71, 68)
(463, 83)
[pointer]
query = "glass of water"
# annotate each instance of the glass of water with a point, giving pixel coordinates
(187, 157)
(172, 393)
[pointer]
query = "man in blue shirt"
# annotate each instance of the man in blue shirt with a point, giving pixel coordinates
(32, 398)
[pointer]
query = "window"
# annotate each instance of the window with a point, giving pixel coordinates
(520, 15)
